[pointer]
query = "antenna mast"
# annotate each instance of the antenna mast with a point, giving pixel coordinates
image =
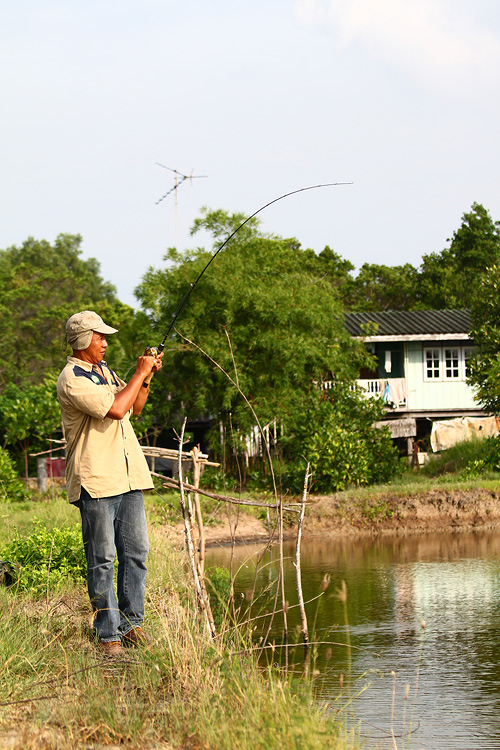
(179, 179)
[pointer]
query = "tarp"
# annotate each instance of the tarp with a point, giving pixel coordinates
(448, 432)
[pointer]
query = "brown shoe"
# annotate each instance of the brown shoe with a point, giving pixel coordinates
(136, 637)
(111, 648)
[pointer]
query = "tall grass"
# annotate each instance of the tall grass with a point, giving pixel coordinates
(186, 691)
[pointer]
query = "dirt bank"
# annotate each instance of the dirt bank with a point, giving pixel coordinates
(391, 513)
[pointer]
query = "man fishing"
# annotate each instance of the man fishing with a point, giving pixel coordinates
(105, 474)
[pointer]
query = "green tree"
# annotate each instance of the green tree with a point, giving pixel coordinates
(334, 430)
(450, 279)
(259, 312)
(28, 416)
(42, 285)
(330, 266)
(485, 365)
(11, 487)
(379, 287)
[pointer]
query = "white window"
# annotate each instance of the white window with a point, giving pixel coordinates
(432, 364)
(452, 363)
(447, 363)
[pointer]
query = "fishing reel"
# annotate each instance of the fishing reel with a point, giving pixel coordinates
(152, 351)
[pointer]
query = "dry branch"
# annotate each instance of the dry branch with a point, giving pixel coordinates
(169, 482)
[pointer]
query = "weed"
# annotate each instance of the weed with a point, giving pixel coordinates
(47, 559)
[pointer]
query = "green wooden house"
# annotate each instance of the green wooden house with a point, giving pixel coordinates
(422, 362)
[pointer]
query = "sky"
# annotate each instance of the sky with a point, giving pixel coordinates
(398, 97)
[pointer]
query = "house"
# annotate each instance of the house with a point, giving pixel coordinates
(422, 363)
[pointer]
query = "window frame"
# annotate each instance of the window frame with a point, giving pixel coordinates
(458, 367)
(464, 354)
(433, 378)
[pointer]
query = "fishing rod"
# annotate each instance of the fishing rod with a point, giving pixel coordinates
(154, 351)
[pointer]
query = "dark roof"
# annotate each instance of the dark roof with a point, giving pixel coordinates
(414, 322)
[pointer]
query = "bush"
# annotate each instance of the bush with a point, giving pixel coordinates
(471, 458)
(47, 558)
(335, 432)
(11, 487)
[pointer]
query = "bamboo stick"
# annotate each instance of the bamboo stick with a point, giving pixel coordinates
(201, 592)
(298, 572)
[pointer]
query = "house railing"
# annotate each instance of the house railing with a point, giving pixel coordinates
(391, 390)
(372, 388)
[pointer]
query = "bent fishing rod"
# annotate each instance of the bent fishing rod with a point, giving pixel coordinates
(154, 351)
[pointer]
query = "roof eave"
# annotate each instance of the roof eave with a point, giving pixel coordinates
(416, 337)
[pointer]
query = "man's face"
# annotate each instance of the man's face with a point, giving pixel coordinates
(97, 348)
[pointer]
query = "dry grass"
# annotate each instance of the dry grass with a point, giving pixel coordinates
(57, 692)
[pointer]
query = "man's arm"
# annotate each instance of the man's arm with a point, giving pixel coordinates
(134, 395)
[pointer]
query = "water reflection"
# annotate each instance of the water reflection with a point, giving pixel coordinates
(449, 581)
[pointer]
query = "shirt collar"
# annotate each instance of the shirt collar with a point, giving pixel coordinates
(82, 363)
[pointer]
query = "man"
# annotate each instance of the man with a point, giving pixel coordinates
(105, 474)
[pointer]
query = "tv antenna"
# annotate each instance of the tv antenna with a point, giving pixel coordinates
(179, 179)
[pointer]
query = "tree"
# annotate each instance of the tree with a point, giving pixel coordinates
(334, 431)
(485, 365)
(379, 287)
(451, 278)
(259, 312)
(28, 416)
(330, 266)
(11, 487)
(42, 285)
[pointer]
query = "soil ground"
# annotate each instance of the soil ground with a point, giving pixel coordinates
(423, 512)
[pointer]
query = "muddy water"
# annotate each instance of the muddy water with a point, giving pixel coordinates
(450, 582)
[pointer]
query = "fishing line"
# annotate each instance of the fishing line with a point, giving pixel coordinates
(161, 347)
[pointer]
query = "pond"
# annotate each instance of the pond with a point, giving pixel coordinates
(422, 618)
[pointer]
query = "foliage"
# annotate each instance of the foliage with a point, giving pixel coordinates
(379, 287)
(335, 432)
(469, 459)
(29, 415)
(450, 279)
(11, 488)
(48, 558)
(445, 280)
(334, 269)
(42, 285)
(259, 311)
(485, 365)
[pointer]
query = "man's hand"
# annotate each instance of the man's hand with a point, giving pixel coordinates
(135, 393)
(148, 365)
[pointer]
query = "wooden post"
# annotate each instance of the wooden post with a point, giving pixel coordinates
(41, 470)
(195, 453)
(199, 583)
(298, 573)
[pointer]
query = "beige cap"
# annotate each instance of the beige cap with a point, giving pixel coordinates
(80, 326)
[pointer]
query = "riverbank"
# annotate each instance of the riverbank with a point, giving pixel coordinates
(381, 511)
(185, 691)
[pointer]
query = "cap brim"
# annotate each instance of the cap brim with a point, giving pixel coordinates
(105, 329)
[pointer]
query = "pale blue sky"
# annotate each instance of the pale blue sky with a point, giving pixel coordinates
(401, 97)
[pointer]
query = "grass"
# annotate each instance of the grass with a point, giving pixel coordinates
(58, 691)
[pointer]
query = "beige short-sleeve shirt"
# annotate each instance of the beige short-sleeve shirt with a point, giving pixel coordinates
(103, 455)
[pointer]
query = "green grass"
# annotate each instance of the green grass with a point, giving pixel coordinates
(58, 691)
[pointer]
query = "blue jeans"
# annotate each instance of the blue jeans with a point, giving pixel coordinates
(108, 523)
